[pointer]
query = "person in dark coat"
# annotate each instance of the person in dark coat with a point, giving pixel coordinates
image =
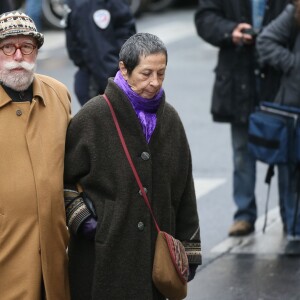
(112, 232)
(95, 31)
(239, 85)
(279, 45)
(5, 6)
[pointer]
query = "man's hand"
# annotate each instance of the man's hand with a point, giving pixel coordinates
(240, 38)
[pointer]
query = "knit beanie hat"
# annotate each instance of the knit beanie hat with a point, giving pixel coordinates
(17, 23)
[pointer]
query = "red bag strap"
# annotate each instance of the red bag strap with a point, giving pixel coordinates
(136, 175)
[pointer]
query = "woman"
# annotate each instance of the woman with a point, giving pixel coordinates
(115, 260)
(279, 46)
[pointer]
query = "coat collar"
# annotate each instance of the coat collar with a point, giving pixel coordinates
(37, 93)
(38, 90)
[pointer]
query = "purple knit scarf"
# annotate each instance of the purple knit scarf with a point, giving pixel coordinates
(145, 109)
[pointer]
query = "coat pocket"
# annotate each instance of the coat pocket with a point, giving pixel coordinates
(222, 99)
(105, 221)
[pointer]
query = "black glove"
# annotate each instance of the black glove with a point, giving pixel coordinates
(88, 227)
(192, 271)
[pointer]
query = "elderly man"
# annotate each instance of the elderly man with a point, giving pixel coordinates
(35, 112)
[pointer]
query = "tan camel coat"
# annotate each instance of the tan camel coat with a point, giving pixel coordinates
(33, 234)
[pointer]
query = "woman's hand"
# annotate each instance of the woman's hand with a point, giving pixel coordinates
(192, 272)
(88, 228)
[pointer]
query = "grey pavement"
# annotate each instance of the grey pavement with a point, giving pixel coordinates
(257, 267)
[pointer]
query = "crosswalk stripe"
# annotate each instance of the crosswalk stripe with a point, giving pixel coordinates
(205, 185)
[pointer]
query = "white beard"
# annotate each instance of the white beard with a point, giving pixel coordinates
(17, 80)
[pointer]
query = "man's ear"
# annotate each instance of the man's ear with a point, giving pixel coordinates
(123, 70)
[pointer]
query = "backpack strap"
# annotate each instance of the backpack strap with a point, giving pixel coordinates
(269, 175)
(297, 201)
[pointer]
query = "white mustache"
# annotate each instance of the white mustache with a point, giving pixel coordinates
(25, 65)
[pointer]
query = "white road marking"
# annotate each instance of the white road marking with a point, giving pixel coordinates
(205, 185)
(173, 31)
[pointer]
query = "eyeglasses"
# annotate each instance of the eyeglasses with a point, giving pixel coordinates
(10, 49)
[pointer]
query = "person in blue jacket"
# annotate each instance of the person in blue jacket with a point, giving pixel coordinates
(95, 31)
(34, 9)
(279, 45)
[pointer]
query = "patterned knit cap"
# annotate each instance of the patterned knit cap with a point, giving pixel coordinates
(17, 23)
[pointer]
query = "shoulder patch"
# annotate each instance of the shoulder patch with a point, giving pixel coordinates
(102, 18)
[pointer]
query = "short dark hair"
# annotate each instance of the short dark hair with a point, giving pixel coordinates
(140, 44)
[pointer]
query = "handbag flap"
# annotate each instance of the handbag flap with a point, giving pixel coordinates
(276, 108)
(178, 255)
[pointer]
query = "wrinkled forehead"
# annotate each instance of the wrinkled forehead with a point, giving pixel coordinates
(18, 39)
(153, 58)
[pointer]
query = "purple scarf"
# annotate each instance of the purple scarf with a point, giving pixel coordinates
(145, 109)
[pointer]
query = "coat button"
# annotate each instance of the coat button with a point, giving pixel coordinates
(145, 156)
(19, 112)
(146, 191)
(141, 226)
(256, 72)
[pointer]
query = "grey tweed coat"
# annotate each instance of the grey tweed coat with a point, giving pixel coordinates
(118, 265)
(279, 45)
